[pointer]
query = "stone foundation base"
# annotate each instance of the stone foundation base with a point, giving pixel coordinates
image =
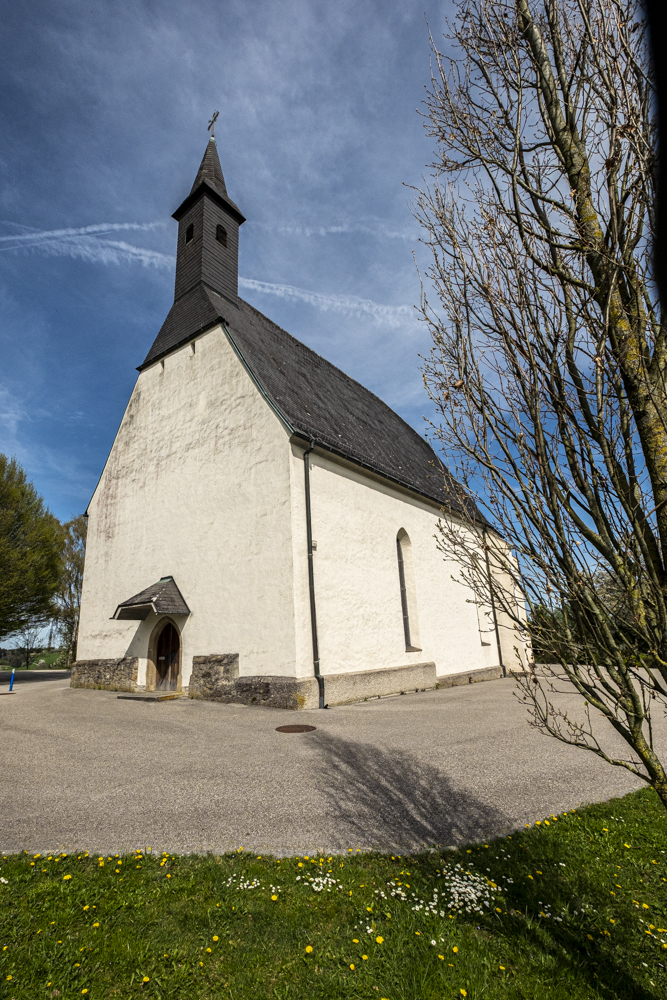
(342, 689)
(111, 675)
(216, 678)
(470, 677)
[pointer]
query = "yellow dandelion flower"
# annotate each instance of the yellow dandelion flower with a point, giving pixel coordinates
(502, 968)
(441, 957)
(379, 940)
(215, 937)
(645, 906)
(86, 907)
(626, 845)
(76, 965)
(96, 925)
(463, 993)
(365, 957)
(168, 876)
(84, 991)
(370, 909)
(66, 877)
(309, 948)
(498, 910)
(9, 977)
(274, 898)
(208, 950)
(355, 940)
(455, 949)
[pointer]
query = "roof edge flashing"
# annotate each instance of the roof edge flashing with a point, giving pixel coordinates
(205, 187)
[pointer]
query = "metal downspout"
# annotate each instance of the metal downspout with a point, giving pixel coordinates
(311, 577)
(493, 604)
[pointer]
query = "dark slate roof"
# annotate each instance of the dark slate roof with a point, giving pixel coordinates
(195, 311)
(210, 176)
(316, 400)
(164, 598)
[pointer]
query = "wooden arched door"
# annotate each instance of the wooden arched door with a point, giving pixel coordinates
(167, 659)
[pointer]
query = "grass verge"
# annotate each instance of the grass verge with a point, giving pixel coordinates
(575, 906)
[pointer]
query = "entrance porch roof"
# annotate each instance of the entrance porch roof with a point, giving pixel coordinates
(164, 598)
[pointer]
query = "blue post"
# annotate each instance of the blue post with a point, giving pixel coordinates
(11, 679)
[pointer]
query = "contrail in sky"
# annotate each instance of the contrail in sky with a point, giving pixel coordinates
(99, 229)
(87, 243)
(370, 229)
(350, 304)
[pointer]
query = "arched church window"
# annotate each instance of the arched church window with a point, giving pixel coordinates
(189, 233)
(221, 235)
(406, 578)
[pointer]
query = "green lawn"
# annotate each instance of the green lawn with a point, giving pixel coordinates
(49, 660)
(573, 907)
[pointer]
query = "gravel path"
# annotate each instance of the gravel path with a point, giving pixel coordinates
(85, 770)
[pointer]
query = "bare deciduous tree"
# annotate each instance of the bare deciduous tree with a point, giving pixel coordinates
(68, 596)
(549, 349)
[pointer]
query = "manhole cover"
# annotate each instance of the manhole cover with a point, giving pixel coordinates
(295, 729)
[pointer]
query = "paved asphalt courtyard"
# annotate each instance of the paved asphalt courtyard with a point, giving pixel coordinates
(85, 770)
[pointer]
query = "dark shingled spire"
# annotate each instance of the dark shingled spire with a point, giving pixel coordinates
(207, 255)
(210, 170)
(210, 178)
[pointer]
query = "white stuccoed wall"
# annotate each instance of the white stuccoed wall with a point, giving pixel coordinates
(360, 625)
(197, 486)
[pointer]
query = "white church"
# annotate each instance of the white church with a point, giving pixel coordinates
(264, 528)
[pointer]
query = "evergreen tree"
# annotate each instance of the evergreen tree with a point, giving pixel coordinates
(31, 544)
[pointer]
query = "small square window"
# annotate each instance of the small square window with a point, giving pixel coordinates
(190, 233)
(221, 235)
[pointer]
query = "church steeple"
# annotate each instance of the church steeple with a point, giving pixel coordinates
(208, 233)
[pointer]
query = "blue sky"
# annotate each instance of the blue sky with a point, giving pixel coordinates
(103, 112)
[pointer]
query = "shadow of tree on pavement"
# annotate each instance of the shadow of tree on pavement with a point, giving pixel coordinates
(393, 801)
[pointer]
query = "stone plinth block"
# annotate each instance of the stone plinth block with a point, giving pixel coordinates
(216, 678)
(110, 675)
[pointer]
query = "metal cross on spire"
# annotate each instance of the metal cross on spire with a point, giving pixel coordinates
(211, 124)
